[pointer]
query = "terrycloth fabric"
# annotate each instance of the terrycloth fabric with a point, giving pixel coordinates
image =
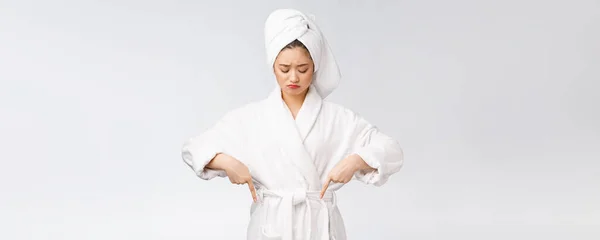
(283, 26)
(289, 160)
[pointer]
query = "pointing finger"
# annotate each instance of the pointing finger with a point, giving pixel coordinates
(252, 190)
(325, 187)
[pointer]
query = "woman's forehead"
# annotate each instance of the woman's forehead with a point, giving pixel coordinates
(293, 56)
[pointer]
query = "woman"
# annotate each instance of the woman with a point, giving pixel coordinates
(294, 149)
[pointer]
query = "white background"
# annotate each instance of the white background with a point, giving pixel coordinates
(496, 104)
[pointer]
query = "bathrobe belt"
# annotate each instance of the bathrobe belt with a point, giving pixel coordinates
(286, 208)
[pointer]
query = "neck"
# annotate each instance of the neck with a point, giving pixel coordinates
(294, 102)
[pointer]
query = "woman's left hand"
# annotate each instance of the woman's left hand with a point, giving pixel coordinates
(344, 171)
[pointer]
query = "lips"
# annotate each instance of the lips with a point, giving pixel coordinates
(293, 86)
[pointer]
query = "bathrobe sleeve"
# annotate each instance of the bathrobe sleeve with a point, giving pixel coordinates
(225, 136)
(377, 149)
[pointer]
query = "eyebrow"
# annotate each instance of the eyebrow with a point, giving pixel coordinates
(287, 65)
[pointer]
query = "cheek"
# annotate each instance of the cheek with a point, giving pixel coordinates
(281, 77)
(307, 78)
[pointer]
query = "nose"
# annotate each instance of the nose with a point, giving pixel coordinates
(294, 78)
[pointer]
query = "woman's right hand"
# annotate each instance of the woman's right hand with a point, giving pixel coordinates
(237, 172)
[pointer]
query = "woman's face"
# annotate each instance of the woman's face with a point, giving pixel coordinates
(293, 69)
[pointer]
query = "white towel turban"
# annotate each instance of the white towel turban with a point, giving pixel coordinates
(283, 26)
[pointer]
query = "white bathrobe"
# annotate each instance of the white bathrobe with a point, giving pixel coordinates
(289, 160)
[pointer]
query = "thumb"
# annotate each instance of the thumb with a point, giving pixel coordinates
(325, 187)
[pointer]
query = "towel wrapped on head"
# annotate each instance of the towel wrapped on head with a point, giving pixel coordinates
(283, 26)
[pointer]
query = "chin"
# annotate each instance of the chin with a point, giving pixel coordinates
(294, 92)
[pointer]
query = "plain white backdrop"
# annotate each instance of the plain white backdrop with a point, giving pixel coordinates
(496, 104)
